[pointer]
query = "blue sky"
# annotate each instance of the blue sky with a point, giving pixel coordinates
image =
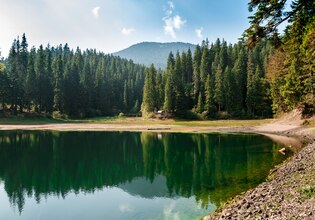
(112, 25)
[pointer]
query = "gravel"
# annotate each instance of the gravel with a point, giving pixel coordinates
(288, 193)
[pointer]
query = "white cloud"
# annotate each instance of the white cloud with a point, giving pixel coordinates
(169, 213)
(127, 31)
(125, 208)
(171, 5)
(169, 9)
(172, 23)
(199, 32)
(95, 11)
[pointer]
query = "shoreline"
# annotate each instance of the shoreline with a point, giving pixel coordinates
(275, 131)
(288, 192)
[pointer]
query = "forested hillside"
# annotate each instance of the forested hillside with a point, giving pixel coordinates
(76, 84)
(153, 52)
(218, 80)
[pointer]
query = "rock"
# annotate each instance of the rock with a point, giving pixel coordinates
(280, 197)
(282, 151)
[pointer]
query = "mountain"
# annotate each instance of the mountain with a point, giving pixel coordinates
(152, 52)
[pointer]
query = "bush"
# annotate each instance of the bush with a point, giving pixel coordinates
(190, 115)
(224, 115)
(58, 115)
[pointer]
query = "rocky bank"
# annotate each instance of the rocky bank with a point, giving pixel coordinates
(289, 191)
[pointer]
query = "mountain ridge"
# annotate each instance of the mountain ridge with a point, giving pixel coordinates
(157, 53)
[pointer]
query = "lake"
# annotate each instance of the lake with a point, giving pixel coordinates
(127, 175)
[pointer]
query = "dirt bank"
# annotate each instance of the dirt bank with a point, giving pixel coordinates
(122, 127)
(289, 191)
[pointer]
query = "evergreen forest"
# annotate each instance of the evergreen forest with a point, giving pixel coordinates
(62, 82)
(265, 73)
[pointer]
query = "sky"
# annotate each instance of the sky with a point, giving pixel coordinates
(113, 25)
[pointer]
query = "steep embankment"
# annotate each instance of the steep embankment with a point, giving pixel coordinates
(289, 191)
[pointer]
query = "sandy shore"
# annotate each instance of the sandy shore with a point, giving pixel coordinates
(269, 128)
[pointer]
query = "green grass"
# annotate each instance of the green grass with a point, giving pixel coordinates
(307, 192)
(29, 121)
(135, 121)
(175, 122)
(224, 123)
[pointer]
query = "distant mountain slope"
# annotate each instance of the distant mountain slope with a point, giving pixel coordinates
(151, 52)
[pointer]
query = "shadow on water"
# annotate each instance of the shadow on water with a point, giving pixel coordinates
(209, 167)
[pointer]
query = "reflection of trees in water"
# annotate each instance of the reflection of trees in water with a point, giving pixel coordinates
(207, 166)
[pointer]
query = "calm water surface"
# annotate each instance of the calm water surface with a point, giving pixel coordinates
(127, 175)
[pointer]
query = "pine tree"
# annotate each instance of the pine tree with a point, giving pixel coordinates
(31, 84)
(40, 75)
(126, 96)
(135, 108)
(196, 72)
(200, 105)
(218, 92)
(229, 90)
(149, 103)
(22, 71)
(240, 76)
(57, 69)
(102, 101)
(223, 55)
(180, 99)
(71, 89)
(48, 90)
(189, 67)
(170, 95)
(210, 105)
(183, 61)
(250, 96)
(160, 89)
(13, 75)
(4, 86)
(189, 86)
(205, 68)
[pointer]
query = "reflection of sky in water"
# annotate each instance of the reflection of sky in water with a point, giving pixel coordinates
(109, 203)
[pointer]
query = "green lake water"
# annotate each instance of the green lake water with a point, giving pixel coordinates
(127, 175)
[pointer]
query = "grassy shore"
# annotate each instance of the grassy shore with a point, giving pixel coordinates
(136, 121)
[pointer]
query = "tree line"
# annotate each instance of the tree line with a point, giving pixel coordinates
(218, 80)
(71, 83)
(291, 66)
